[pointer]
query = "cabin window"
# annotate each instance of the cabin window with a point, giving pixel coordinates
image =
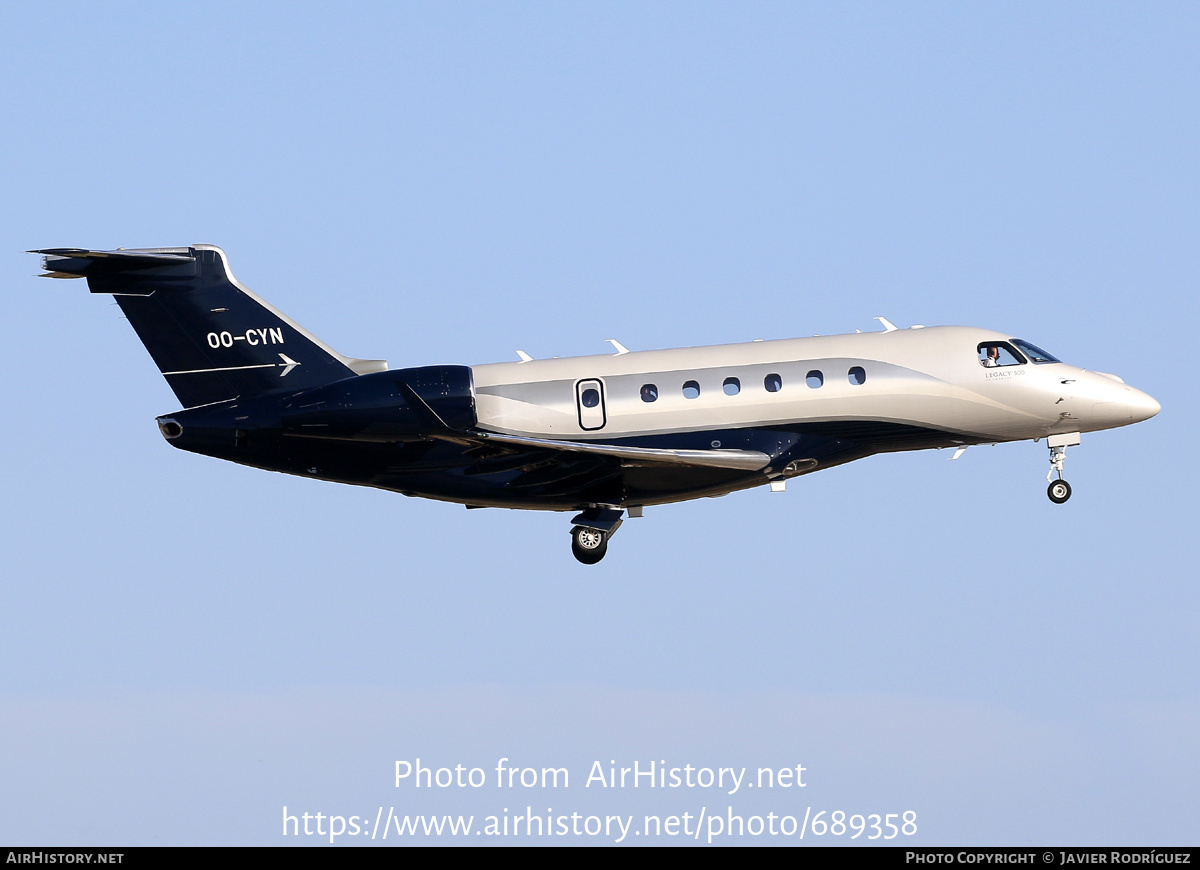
(732, 386)
(589, 404)
(649, 393)
(814, 379)
(998, 353)
(773, 383)
(857, 376)
(691, 390)
(1034, 352)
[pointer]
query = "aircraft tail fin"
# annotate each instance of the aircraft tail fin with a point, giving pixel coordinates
(211, 337)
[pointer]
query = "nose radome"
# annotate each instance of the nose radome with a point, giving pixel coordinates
(1142, 406)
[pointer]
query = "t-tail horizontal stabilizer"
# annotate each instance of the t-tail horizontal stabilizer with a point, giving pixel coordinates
(210, 336)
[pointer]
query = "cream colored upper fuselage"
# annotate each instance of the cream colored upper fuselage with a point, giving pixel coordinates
(926, 377)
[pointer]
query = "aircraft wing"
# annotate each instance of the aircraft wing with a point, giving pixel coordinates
(741, 460)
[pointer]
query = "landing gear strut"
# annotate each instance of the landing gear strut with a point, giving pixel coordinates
(1059, 490)
(590, 532)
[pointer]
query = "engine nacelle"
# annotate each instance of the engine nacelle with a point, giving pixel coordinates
(402, 405)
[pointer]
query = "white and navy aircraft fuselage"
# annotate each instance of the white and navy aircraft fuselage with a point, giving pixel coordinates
(602, 435)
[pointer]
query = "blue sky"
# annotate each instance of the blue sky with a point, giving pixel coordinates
(188, 646)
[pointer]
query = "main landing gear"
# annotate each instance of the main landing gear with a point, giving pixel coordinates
(1059, 490)
(590, 532)
(588, 545)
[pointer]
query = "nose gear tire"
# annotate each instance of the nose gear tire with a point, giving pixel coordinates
(1059, 491)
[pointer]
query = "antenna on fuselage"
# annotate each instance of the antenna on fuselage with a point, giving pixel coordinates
(620, 347)
(524, 356)
(888, 326)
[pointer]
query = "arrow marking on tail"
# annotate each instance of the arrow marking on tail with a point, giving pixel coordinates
(225, 369)
(288, 364)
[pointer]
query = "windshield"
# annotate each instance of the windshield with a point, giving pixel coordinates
(1034, 352)
(998, 353)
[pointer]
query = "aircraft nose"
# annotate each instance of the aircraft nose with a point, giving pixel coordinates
(1142, 406)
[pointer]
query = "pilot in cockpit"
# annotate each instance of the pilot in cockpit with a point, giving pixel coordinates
(992, 358)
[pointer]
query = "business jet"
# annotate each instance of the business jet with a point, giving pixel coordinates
(604, 436)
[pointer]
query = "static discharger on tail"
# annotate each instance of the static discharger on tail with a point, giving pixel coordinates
(603, 436)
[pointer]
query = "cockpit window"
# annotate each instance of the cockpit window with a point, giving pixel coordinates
(999, 353)
(1034, 352)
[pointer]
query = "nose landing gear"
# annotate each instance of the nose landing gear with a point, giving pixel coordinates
(590, 532)
(1059, 490)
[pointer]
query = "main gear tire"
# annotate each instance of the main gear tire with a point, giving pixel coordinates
(588, 545)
